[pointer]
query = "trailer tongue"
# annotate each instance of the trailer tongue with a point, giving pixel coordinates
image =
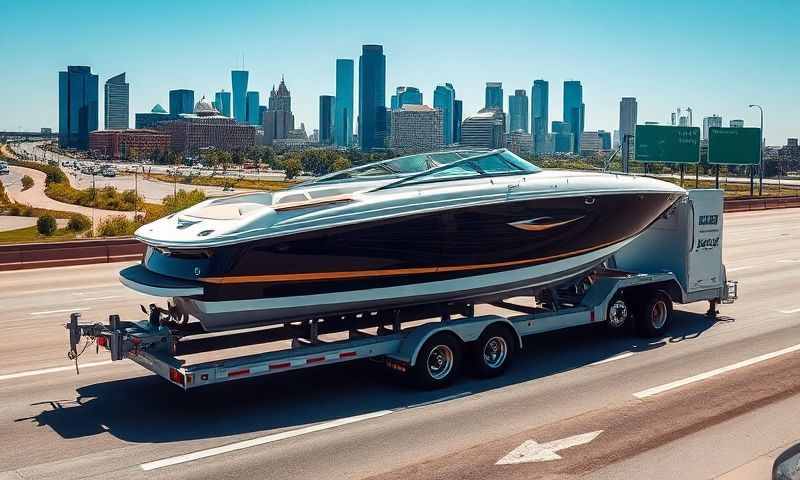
(636, 289)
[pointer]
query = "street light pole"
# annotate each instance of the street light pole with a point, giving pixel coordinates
(760, 152)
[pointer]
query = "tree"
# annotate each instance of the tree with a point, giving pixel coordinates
(46, 225)
(340, 163)
(27, 182)
(293, 167)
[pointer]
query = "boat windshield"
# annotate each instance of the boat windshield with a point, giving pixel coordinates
(492, 164)
(395, 167)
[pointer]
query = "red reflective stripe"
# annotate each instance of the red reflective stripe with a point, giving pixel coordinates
(347, 354)
(315, 359)
(238, 373)
(276, 366)
(591, 316)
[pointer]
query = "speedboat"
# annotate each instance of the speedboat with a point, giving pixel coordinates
(431, 228)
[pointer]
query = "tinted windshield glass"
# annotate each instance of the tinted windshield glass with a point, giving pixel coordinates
(495, 164)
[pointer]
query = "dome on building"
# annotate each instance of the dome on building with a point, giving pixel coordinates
(204, 109)
(158, 109)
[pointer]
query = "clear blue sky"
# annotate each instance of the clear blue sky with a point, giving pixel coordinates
(714, 56)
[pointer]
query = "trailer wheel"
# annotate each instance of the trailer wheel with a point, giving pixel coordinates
(654, 314)
(438, 362)
(618, 316)
(493, 352)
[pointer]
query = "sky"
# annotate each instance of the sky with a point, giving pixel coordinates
(713, 56)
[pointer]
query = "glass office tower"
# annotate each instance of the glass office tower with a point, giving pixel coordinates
(181, 101)
(539, 113)
(574, 110)
(253, 110)
(326, 118)
(222, 99)
(518, 111)
(239, 84)
(494, 95)
(372, 114)
(77, 106)
(458, 113)
(117, 98)
(444, 97)
(343, 121)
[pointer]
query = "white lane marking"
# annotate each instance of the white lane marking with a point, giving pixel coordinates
(795, 310)
(739, 269)
(612, 359)
(260, 441)
(108, 297)
(532, 451)
(45, 371)
(63, 310)
(789, 261)
(64, 289)
(713, 373)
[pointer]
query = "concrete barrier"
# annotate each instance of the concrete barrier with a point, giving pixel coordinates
(760, 203)
(78, 252)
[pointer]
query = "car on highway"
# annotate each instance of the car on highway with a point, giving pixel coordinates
(4, 168)
(108, 171)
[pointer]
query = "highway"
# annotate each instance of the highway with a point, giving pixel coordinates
(712, 399)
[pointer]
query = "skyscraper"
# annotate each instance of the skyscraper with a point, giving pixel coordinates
(278, 119)
(253, 110)
(485, 129)
(518, 111)
(117, 96)
(574, 110)
(563, 138)
(343, 121)
(416, 128)
(181, 101)
(406, 96)
(458, 112)
(494, 95)
(736, 123)
(708, 122)
(372, 97)
(327, 107)
(628, 111)
(77, 106)
(222, 99)
(239, 81)
(540, 113)
(444, 97)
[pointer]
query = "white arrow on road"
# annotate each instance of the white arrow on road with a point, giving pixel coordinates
(532, 451)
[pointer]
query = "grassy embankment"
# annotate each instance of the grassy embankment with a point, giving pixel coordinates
(208, 181)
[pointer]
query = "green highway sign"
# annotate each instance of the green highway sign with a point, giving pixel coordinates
(734, 146)
(667, 144)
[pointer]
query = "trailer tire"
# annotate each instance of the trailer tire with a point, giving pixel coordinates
(654, 314)
(438, 362)
(493, 352)
(619, 314)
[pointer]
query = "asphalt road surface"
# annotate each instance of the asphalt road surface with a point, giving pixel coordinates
(712, 399)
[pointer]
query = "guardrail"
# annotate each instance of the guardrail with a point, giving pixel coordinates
(760, 203)
(78, 252)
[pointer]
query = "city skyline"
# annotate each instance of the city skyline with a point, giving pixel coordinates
(685, 74)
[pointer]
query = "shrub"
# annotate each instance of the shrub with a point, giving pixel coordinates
(79, 223)
(15, 210)
(27, 182)
(117, 226)
(182, 200)
(46, 225)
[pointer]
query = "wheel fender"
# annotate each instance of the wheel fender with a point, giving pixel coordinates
(465, 330)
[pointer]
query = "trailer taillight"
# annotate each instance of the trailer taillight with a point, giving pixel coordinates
(102, 341)
(176, 376)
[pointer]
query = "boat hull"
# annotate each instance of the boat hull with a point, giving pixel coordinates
(445, 255)
(228, 314)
